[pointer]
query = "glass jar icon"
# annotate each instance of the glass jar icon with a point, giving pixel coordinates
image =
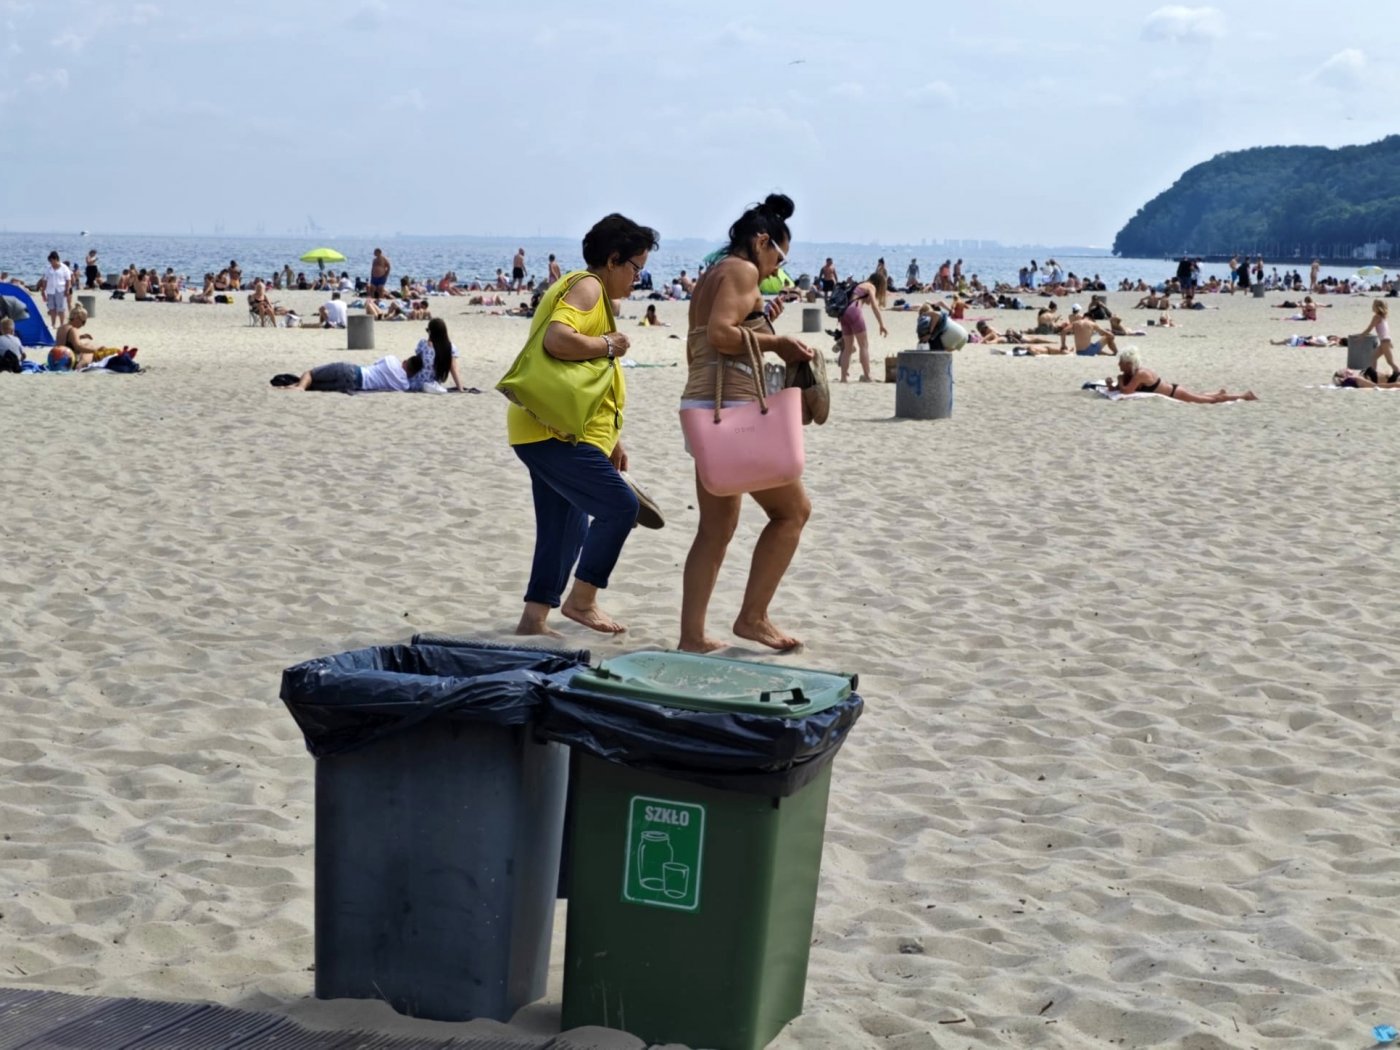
(653, 856)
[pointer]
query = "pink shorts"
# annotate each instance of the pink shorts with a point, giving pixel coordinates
(853, 319)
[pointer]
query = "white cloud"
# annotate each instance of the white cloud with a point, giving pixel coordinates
(934, 93)
(69, 41)
(53, 78)
(740, 32)
(143, 13)
(1181, 24)
(1345, 71)
(848, 89)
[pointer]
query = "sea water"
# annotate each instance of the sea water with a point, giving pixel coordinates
(24, 256)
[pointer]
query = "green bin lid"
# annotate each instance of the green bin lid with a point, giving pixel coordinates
(713, 683)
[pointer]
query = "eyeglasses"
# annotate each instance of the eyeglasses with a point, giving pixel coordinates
(636, 268)
(782, 255)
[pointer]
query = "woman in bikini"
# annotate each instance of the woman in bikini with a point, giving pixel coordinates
(726, 300)
(989, 334)
(1133, 378)
(1350, 378)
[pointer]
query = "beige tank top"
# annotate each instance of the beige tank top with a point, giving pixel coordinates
(740, 383)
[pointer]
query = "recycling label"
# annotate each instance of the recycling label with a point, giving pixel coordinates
(665, 843)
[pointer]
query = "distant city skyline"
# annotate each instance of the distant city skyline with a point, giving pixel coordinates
(1004, 123)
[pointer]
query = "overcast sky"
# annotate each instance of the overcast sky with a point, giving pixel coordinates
(1020, 122)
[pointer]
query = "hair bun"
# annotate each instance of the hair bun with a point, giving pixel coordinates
(778, 205)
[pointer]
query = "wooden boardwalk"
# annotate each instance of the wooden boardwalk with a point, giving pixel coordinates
(31, 1019)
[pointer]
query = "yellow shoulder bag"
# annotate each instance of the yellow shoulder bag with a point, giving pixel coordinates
(561, 395)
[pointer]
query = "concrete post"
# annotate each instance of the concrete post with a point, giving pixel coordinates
(811, 318)
(359, 332)
(924, 389)
(89, 304)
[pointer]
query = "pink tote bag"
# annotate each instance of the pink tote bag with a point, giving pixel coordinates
(754, 446)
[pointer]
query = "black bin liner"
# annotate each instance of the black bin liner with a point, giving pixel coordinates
(748, 753)
(346, 701)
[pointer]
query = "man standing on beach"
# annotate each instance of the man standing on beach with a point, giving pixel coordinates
(91, 272)
(378, 274)
(517, 269)
(911, 276)
(554, 273)
(54, 284)
(1312, 275)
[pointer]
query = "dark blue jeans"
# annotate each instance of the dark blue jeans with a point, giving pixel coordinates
(571, 484)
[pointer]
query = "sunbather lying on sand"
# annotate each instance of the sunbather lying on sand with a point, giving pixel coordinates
(1309, 340)
(1133, 378)
(1351, 378)
(1011, 335)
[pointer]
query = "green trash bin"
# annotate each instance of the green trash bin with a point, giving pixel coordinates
(698, 792)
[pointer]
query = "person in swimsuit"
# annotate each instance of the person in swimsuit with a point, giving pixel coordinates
(1133, 378)
(80, 343)
(1380, 325)
(517, 270)
(1084, 330)
(989, 334)
(727, 299)
(853, 332)
(827, 280)
(378, 275)
(1349, 378)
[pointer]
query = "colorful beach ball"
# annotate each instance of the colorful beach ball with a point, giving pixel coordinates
(60, 359)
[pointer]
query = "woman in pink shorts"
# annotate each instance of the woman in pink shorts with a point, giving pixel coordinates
(853, 329)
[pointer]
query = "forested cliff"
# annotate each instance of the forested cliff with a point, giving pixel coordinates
(1280, 201)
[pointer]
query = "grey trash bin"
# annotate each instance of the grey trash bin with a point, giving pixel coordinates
(811, 318)
(1361, 350)
(1258, 291)
(359, 333)
(924, 385)
(439, 821)
(89, 305)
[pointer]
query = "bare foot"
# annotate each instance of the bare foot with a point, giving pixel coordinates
(532, 622)
(591, 617)
(763, 632)
(704, 645)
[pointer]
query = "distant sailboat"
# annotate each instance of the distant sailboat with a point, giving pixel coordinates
(82, 233)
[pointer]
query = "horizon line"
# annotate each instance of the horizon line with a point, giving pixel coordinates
(399, 235)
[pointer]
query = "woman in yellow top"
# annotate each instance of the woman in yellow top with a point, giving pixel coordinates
(573, 483)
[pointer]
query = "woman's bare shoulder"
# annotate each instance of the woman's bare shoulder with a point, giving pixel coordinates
(585, 293)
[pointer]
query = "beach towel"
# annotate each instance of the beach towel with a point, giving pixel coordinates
(1114, 395)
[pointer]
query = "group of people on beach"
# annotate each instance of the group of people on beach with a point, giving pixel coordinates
(585, 507)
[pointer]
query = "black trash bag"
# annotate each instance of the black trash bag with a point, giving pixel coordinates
(752, 754)
(346, 701)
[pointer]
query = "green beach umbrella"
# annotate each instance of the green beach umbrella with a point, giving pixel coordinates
(321, 256)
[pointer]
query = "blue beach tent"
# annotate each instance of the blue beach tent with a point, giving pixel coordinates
(16, 304)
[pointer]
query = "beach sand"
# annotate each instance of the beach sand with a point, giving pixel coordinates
(1128, 773)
